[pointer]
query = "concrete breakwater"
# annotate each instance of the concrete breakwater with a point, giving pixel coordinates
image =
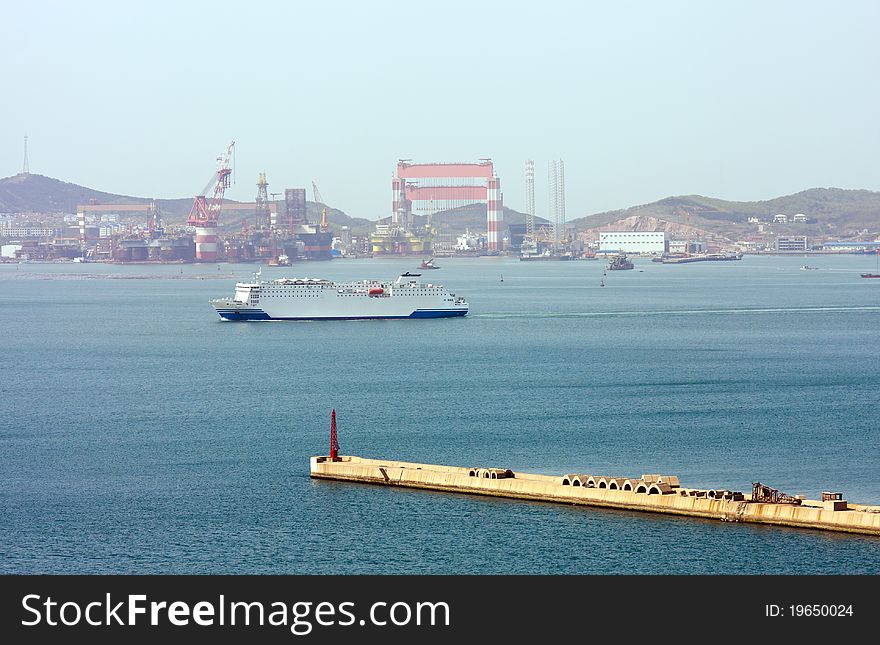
(650, 493)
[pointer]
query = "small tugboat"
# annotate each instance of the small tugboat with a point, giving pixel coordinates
(280, 261)
(620, 263)
(428, 264)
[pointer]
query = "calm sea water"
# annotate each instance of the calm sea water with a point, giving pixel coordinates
(140, 434)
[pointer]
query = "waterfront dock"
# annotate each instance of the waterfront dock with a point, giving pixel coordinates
(653, 493)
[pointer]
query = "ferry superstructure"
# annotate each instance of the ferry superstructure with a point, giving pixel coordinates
(317, 299)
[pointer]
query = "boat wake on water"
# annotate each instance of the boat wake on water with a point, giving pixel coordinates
(111, 276)
(677, 312)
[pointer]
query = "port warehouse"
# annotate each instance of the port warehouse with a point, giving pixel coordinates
(651, 493)
(645, 242)
(852, 247)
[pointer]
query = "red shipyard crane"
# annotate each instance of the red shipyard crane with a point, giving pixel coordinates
(204, 215)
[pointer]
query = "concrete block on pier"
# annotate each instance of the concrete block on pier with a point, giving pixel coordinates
(490, 473)
(629, 484)
(672, 480)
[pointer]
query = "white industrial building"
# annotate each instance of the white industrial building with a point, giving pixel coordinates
(648, 242)
(795, 243)
(9, 250)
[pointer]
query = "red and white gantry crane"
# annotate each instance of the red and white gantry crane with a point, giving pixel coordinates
(204, 215)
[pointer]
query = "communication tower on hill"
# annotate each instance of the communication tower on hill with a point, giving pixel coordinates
(25, 167)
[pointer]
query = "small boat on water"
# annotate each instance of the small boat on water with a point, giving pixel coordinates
(807, 267)
(620, 263)
(428, 264)
(528, 256)
(280, 261)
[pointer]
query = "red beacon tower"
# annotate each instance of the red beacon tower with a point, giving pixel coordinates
(334, 438)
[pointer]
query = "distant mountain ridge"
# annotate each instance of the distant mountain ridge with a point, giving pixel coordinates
(41, 194)
(829, 211)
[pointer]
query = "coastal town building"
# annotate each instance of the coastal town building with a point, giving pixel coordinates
(793, 243)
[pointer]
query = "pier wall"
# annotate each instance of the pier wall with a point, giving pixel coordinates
(664, 498)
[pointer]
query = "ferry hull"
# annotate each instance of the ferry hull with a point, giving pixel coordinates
(258, 314)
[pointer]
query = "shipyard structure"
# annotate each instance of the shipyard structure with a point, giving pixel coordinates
(280, 234)
(426, 189)
(277, 240)
(274, 238)
(274, 233)
(267, 234)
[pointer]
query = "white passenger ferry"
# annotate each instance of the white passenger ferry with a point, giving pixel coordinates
(314, 299)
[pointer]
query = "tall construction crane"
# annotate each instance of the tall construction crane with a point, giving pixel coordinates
(154, 222)
(262, 212)
(320, 200)
(205, 215)
(317, 195)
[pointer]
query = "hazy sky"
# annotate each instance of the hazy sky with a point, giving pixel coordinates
(740, 100)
